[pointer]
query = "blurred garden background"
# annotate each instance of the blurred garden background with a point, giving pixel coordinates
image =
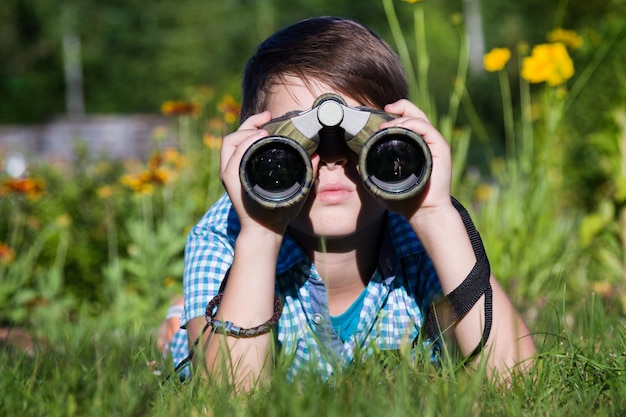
(111, 118)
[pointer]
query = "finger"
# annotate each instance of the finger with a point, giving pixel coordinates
(413, 118)
(405, 108)
(250, 126)
(249, 129)
(418, 125)
(235, 145)
(256, 121)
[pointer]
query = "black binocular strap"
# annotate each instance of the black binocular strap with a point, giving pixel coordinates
(442, 314)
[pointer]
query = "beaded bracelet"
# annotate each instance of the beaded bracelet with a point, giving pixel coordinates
(228, 328)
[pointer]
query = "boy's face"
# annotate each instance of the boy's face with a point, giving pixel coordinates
(338, 204)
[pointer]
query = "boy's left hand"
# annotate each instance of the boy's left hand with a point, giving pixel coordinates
(436, 194)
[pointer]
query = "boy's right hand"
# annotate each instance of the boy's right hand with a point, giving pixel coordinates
(250, 214)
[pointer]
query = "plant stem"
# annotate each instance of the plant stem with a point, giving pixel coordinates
(422, 58)
(560, 12)
(59, 261)
(146, 203)
(590, 68)
(620, 117)
(623, 229)
(459, 85)
(507, 108)
(477, 124)
(401, 45)
(111, 231)
(528, 139)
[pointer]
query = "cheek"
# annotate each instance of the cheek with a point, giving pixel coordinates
(303, 220)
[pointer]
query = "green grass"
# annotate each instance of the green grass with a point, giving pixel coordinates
(89, 369)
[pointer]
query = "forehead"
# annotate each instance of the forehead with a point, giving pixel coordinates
(292, 93)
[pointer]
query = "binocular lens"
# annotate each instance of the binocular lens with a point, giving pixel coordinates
(397, 164)
(275, 172)
(394, 160)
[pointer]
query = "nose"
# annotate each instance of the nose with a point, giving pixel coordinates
(332, 149)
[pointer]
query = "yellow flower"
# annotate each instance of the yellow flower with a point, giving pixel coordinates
(496, 59)
(412, 1)
(483, 192)
(567, 37)
(169, 282)
(548, 62)
(64, 220)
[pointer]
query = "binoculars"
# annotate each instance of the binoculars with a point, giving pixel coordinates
(276, 171)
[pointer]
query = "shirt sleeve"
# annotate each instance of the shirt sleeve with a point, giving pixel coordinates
(208, 255)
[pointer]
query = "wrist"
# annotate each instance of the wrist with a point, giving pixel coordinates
(259, 246)
(261, 233)
(433, 220)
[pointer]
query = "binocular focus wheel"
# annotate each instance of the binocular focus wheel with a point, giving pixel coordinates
(276, 172)
(395, 163)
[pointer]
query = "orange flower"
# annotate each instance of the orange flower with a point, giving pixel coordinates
(7, 255)
(140, 183)
(215, 124)
(173, 158)
(549, 63)
(496, 59)
(179, 108)
(30, 187)
(161, 176)
(161, 169)
(212, 141)
(229, 108)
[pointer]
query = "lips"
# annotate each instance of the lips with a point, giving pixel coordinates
(333, 193)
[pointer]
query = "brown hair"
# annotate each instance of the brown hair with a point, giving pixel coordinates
(341, 53)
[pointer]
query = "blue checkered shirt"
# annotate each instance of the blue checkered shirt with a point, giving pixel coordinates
(399, 292)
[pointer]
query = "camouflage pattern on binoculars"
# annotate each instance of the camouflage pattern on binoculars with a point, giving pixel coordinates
(276, 171)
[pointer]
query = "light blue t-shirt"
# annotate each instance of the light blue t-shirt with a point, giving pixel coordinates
(346, 323)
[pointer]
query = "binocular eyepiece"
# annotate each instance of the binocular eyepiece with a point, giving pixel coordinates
(276, 171)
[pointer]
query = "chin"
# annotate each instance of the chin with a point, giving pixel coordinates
(333, 227)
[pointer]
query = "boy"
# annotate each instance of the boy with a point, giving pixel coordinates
(341, 269)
